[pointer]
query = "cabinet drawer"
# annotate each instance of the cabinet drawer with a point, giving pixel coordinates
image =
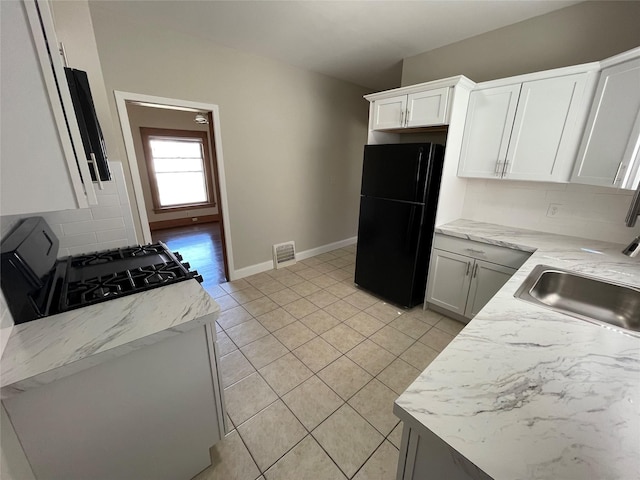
(483, 251)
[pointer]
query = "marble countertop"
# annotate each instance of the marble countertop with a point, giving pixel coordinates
(54, 347)
(524, 392)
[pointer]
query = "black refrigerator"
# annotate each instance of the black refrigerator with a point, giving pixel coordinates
(399, 196)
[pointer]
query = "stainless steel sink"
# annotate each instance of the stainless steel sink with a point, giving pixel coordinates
(581, 296)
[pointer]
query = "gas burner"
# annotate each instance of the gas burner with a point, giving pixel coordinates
(142, 250)
(96, 258)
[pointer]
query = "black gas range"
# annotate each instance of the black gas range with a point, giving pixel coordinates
(37, 284)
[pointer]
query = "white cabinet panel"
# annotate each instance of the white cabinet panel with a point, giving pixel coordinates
(490, 117)
(609, 150)
(449, 278)
(427, 108)
(547, 128)
(487, 279)
(389, 112)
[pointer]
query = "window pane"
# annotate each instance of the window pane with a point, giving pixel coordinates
(181, 188)
(178, 165)
(175, 148)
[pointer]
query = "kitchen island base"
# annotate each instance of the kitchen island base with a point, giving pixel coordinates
(150, 414)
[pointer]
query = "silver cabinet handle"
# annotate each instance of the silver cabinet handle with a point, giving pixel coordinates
(498, 170)
(401, 118)
(95, 169)
(475, 271)
(504, 169)
(468, 267)
(406, 120)
(473, 250)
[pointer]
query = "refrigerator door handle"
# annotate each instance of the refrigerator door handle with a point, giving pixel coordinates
(416, 196)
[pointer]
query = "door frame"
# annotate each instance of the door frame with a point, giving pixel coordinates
(218, 164)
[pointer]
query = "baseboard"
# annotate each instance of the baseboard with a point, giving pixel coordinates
(264, 266)
(183, 222)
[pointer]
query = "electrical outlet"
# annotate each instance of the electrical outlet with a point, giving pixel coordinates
(194, 219)
(554, 209)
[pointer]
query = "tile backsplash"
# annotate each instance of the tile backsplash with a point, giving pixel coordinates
(567, 209)
(106, 225)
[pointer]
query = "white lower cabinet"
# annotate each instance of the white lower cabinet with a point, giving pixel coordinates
(464, 275)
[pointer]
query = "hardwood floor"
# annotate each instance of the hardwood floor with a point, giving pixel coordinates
(200, 245)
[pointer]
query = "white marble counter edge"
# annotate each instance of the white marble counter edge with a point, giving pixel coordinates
(69, 369)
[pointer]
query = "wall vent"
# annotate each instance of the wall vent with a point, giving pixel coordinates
(284, 254)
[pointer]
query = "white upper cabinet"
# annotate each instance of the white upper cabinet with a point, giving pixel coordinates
(608, 153)
(487, 131)
(38, 152)
(424, 105)
(528, 130)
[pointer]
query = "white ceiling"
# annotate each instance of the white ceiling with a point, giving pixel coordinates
(362, 42)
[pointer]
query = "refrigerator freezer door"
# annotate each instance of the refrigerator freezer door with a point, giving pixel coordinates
(396, 171)
(389, 242)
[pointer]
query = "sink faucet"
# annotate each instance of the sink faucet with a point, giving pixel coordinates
(633, 248)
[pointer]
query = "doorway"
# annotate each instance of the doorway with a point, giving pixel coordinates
(199, 228)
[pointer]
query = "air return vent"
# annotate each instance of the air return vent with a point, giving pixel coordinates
(284, 254)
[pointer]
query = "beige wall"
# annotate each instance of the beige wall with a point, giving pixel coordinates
(292, 139)
(586, 32)
(150, 117)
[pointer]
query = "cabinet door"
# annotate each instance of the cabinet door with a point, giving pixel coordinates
(449, 279)
(427, 108)
(389, 112)
(547, 128)
(487, 279)
(613, 129)
(487, 130)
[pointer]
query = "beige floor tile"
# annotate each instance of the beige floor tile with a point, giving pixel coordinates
(316, 354)
(259, 279)
(284, 296)
(306, 461)
(393, 340)
(340, 262)
(226, 302)
(264, 351)
(230, 460)
(312, 402)
(271, 433)
(272, 287)
(224, 343)
(260, 306)
(305, 288)
(285, 374)
(344, 377)
(309, 273)
(296, 267)
(325, 257)
(339, 274)
(342, 310)
(247, 397)
(246, 332)
(364, 323)
(322, 298)
(294, 335)
(452, 327)
(325, 268)
(371, 356)
(215, 291)
(395, 437)
(232, 317)
(385, 312)
(382, 465)
(361, 300)
(411, 326)
(342, 337)
(246, 295)
(398, 375)
(340, 289)
(436, 339)
(419, 355)
(234, 367)
(311, 262)
(286, 277)
(235, 285)
(348, 439)
(323, 281)
(219, 329)
(300, 308)
(320, 321)
(427, 316)
(276, 319)
(375, 403)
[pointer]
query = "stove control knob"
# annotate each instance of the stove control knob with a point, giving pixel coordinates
(186, 265)
(178, 256)
(197, 276)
